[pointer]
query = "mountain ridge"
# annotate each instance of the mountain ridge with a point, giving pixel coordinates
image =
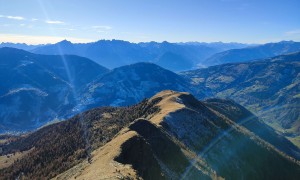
(168, 128)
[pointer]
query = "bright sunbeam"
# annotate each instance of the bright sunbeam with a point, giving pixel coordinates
(71, 81)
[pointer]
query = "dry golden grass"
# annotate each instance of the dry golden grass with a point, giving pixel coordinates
(167, 105)
(9, 159)
(103, 165)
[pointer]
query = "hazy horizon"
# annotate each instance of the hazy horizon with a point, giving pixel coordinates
(251, 22)
(96, 40)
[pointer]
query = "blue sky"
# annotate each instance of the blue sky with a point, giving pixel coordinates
(246, 21)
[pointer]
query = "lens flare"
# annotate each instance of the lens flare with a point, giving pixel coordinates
(226, 133)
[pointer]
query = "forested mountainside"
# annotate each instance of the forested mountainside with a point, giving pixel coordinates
(35, 89)
(269, 88)
(149, 139)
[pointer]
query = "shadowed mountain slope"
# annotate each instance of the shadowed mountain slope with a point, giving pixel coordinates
(37, 88)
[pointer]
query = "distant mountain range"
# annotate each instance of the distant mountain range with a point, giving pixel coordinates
(168, 135)
(253, 53)
(40, 88)
(172, 56)
(22, 46)
(171, 135)
(116, 53)
(220, 45)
